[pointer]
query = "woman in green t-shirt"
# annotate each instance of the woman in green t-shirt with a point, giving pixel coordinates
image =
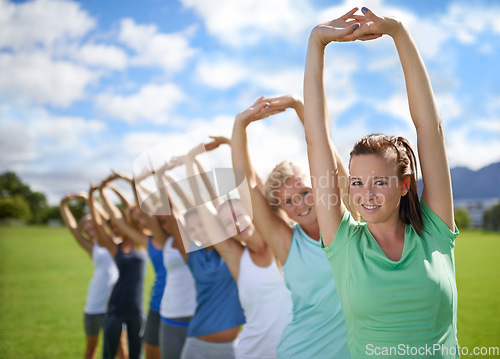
(394, 273)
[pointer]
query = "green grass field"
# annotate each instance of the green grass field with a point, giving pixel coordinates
(43, 285)
(44, 277)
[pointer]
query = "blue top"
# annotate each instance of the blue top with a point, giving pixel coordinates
(218, 306)
(317, 329)
(156, 257)
(126, 297)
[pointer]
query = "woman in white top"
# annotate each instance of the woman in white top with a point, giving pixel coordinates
(102, 281)
(265, 301)
(178, 303)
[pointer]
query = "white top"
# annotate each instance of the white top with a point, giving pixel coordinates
(102, 282)
(267, 305)
(179, 297)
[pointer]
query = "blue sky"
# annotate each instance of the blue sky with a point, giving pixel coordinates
(86, 86)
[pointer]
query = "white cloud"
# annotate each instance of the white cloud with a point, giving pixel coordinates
(167, 51)
(53, 153)
(339, 84)
(221, 74)
(472, 151)
(44, 22)
(105, 56)
(36, 78)
(245, 22)
(15, 143)
(135, 143)
(466, 21)
(284, 81)
(395, 105)
(345, 135)
(449, 107)
(151, 103)
(272, 141)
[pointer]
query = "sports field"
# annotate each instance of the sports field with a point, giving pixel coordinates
(44, 277)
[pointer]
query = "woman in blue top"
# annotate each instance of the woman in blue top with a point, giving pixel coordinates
(263, 296)
(317, 329)
(395, 273)
(218, 316)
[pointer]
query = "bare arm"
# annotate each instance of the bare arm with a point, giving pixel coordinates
(321, 152)
(179, 191)
(229, 249)
(176, 230)
(70, 221)
(437, 191)
(274, 230)
(119, 193)
(117, 218)
(103, 238)
(210, 146)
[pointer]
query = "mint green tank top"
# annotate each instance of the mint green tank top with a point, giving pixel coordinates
(317, 329)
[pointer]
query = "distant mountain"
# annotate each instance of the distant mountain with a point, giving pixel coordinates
(481, 184)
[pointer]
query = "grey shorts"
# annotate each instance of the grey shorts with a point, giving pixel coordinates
(152, 329)
(195, 348)
(93, 323)
(173, 334)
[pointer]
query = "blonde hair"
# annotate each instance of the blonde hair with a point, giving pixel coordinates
(278, 177)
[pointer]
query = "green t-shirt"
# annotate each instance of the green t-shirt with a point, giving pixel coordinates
(403, 309)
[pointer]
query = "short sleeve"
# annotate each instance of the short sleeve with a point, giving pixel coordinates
(348, 226)
(434, 224)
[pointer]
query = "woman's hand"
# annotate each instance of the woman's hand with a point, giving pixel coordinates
(174, 162)
(372, 26)
(338, 29)
(216, 142)
(259, 110)
(282, 102)
(122, 176)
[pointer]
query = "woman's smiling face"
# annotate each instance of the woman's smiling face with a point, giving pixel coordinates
(375, 188)
(296, 199)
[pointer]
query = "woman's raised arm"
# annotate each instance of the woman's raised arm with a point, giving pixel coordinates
(437, 191)
(103, 238)
(321, 152)
(229, 249)
(72, 224)
(117, 216)
(274, 230)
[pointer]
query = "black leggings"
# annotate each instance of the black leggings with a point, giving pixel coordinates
(113, 330)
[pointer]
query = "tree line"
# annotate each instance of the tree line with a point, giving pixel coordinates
(19, 202)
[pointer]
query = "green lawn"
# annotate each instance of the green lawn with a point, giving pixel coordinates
(43, 284)
(44, 277)
(477, 264)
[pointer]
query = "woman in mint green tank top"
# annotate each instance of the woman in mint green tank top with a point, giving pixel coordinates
(317, 329)
(394, 272)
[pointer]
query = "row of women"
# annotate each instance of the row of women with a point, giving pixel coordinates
(304, 278)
